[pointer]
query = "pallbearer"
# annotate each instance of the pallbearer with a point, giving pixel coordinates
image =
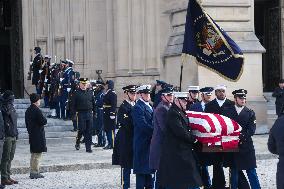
(123, 147)
(142, 115)
(244, 159)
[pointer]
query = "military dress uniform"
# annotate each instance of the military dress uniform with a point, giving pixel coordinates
(110, 102)
(84, 105)
(216, 159)
(244, 159)
(99, 115)
(123, 146)
(36, 67)
(65, 89)
(192, 89)
(142, 115)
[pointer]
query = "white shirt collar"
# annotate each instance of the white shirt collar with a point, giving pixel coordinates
(132, 103)
(220, 102)
(239, 109)
(203, 105)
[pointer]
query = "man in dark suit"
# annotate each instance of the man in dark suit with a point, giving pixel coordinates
(123, 145)
(156, 97)
(279, 95)
(142, 115)
(244, 159)
(35, 122)
(217, 106)
(276, 146)
(206, 94)
(37, 69)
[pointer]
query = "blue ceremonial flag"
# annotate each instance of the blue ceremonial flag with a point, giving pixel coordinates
(210, 44)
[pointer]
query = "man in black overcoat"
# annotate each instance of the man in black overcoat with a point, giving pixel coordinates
(35, 122)
(178, 166)
(216, 159)
(279, 95)
(276, 146)
(123, 145)
(244, 159)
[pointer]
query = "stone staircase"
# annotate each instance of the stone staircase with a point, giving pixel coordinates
(271, 110)
(56, 130)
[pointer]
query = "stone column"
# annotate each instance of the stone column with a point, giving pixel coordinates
(110, 38)
(152, 46)
(137, 36)
(122, 37)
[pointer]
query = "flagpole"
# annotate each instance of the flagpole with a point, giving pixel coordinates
(184, 58)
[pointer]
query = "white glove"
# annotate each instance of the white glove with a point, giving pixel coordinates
(39, 71)
(45, 80)
(68, 89)
(112, 117)
(61, 79)
(31, 63)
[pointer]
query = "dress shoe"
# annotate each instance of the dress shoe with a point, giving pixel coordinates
(108, 147)
(89, 151)
(36, 175)
(74, 130)
(6, 182)
(77, 146)
(13, 181)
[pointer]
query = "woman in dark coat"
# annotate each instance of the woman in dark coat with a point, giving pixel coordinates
(178, 166)
(35, 122)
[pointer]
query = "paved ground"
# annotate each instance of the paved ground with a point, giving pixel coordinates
(84, 170)
(110, 178)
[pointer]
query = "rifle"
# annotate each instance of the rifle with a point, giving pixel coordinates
(29, 77)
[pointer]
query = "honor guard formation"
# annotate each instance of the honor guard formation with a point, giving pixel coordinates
(156, 133)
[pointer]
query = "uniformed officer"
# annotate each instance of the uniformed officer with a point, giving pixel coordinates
(54, 91)
(123, 146)
(156, 97)
(142, 115)
(217, 106)
(45, 79)
(244, 159)
(84, 105)
(110, 102)
(36, 67)
(68, 78)
(276, 146)
(206, 97)
(99, 114)
(279, 95)
(159, 122)
(178, 167)
(193, 95)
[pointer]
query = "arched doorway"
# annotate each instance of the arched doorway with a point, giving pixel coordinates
(268, 30)
(11, 59)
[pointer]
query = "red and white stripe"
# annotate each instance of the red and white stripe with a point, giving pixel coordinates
(214, 129)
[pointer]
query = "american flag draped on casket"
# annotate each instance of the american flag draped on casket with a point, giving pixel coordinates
(214, 129)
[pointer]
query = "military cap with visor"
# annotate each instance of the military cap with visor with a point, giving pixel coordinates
(241, 93)
(130, 88)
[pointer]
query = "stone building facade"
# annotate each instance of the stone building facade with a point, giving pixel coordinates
(138, 41)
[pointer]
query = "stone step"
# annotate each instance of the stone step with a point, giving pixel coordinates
(22, 101)
(271, 121)
(49, 129)
(271, 112)
(64, 140)
(51, 134)
(50, 122)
